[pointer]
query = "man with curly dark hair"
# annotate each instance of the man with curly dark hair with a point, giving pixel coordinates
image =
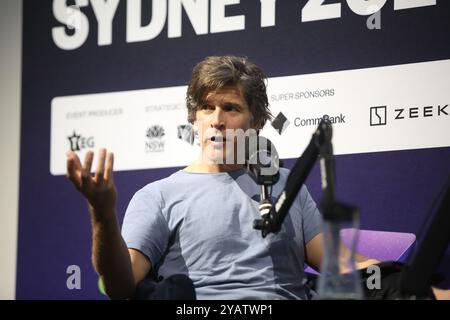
(194, 229)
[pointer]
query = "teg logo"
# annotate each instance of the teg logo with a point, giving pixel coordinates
(205, 16)
(79, 142)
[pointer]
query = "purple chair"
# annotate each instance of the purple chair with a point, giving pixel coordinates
(380, 245)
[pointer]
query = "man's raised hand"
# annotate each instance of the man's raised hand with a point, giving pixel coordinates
(98, 189)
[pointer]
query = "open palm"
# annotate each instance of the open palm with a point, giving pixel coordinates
(99, 188)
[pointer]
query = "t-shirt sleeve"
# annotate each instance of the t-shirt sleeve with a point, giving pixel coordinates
(312, 219)
(144, 227)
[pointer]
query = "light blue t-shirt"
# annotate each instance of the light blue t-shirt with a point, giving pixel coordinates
(201, 225)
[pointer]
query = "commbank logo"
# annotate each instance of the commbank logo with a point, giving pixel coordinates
(378, 116)
(280, 123)
(336, 119)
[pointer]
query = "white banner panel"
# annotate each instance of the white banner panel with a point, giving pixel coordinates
(140, 127)
(375, 109)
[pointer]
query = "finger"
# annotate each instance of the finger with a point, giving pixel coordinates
(100, 165)
(73, 168)
(109, 166)
(86, 170)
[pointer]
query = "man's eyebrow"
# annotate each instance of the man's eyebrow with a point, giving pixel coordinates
(225, 103)
(232, 104)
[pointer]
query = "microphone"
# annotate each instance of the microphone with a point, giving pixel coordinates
(261, 160)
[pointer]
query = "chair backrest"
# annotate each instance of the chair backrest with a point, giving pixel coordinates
(380, 245)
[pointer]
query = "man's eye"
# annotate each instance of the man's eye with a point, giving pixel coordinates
(232, 107)
(206, 107)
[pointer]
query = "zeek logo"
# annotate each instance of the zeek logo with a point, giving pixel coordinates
(420, 112)
(78, 142)
(378, 115)
(155, 135)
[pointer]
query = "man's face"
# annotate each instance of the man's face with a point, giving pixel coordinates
(223, 111)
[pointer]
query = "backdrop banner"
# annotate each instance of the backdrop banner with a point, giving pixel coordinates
(110, 73)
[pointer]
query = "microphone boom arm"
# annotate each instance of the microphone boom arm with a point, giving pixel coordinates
(320, 145)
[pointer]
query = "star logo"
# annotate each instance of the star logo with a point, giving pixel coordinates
(74, 141)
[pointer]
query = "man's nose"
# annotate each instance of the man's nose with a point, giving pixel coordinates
(218, 119)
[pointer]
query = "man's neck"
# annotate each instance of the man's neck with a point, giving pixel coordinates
(200, 167)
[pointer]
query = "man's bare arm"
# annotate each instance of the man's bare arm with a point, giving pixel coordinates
(119, 269)
(140, 264)
(110, 258)
(314, 255)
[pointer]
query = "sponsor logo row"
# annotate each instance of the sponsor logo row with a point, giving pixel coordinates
(154, 136)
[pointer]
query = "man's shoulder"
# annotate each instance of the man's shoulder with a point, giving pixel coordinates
(162, 184)
(284, 174)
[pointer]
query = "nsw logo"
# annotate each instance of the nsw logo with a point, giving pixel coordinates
(155, 139)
